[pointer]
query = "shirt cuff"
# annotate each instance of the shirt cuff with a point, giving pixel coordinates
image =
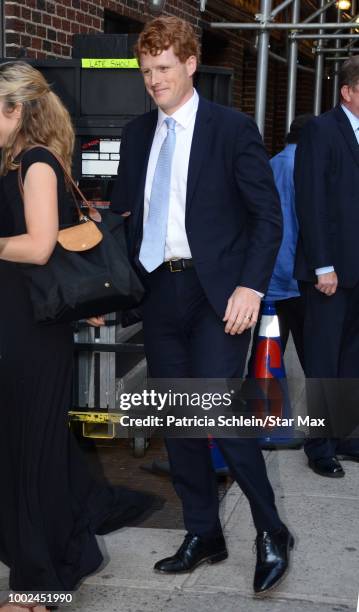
(324, 270)
(257, 292)
(261, 295)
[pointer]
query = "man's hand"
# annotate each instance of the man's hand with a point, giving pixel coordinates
(96, 321)
(327, 283)
(242, 311)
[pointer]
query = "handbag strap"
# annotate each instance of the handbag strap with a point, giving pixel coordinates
(68, 178)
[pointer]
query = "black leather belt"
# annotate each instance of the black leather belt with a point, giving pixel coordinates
(178, 265)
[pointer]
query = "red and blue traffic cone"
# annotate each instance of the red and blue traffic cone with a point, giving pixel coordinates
(269, 370)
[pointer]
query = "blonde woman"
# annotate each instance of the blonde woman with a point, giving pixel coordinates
(50, 507)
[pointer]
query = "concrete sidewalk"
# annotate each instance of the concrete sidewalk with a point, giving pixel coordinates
(323, 515)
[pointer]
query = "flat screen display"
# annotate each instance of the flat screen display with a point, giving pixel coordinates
(100, 156)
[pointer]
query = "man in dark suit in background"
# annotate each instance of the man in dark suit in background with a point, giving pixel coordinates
(327, 200)
(204, 228)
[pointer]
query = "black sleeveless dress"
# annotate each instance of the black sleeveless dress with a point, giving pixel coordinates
(50, 506)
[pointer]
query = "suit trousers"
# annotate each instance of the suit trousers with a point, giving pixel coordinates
(331, 347)
(185, 338)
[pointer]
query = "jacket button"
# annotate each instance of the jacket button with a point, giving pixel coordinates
(107, 285)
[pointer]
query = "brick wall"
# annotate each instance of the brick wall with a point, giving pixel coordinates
(229, 56)
(45, 27)
(305, 90)
(280, 88)
(275, 104)
(304, 102)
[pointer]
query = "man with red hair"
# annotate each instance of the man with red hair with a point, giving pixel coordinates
(204, 230)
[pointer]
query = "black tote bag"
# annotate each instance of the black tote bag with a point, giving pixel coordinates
(75, 285)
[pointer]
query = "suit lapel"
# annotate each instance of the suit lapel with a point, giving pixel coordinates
(202, 135)
(143, 155)
(347, 131)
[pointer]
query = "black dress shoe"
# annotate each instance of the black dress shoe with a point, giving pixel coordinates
(273, 549)
(327, 466)
(192, 553)
(350, 456)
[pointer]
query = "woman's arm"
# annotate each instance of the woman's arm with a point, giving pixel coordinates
(41, 217)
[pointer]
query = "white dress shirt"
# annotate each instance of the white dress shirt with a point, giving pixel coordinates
(354, 122)
(177, 246)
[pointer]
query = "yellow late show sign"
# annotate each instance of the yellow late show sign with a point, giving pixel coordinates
(109, 63)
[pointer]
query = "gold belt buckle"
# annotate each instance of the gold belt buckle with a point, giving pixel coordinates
(171, 268)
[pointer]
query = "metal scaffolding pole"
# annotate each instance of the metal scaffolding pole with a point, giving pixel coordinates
(292, 70)
(355, 19)
(264, 25)
(326, 50)
(283, 60)
(267, 25)
(280, 7)
(262, 67)
(323, 7)
(322, 36)
(319, 70)
(337, 34)
(339, 58)
(336, 67)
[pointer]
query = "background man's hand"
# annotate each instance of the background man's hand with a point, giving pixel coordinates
(327, 283)
(242, 311)
(96, 321)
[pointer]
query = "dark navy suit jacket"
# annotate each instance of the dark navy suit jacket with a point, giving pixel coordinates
(233, 217)
(327, 198)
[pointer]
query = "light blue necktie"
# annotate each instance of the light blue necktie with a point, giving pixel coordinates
(155, 230)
